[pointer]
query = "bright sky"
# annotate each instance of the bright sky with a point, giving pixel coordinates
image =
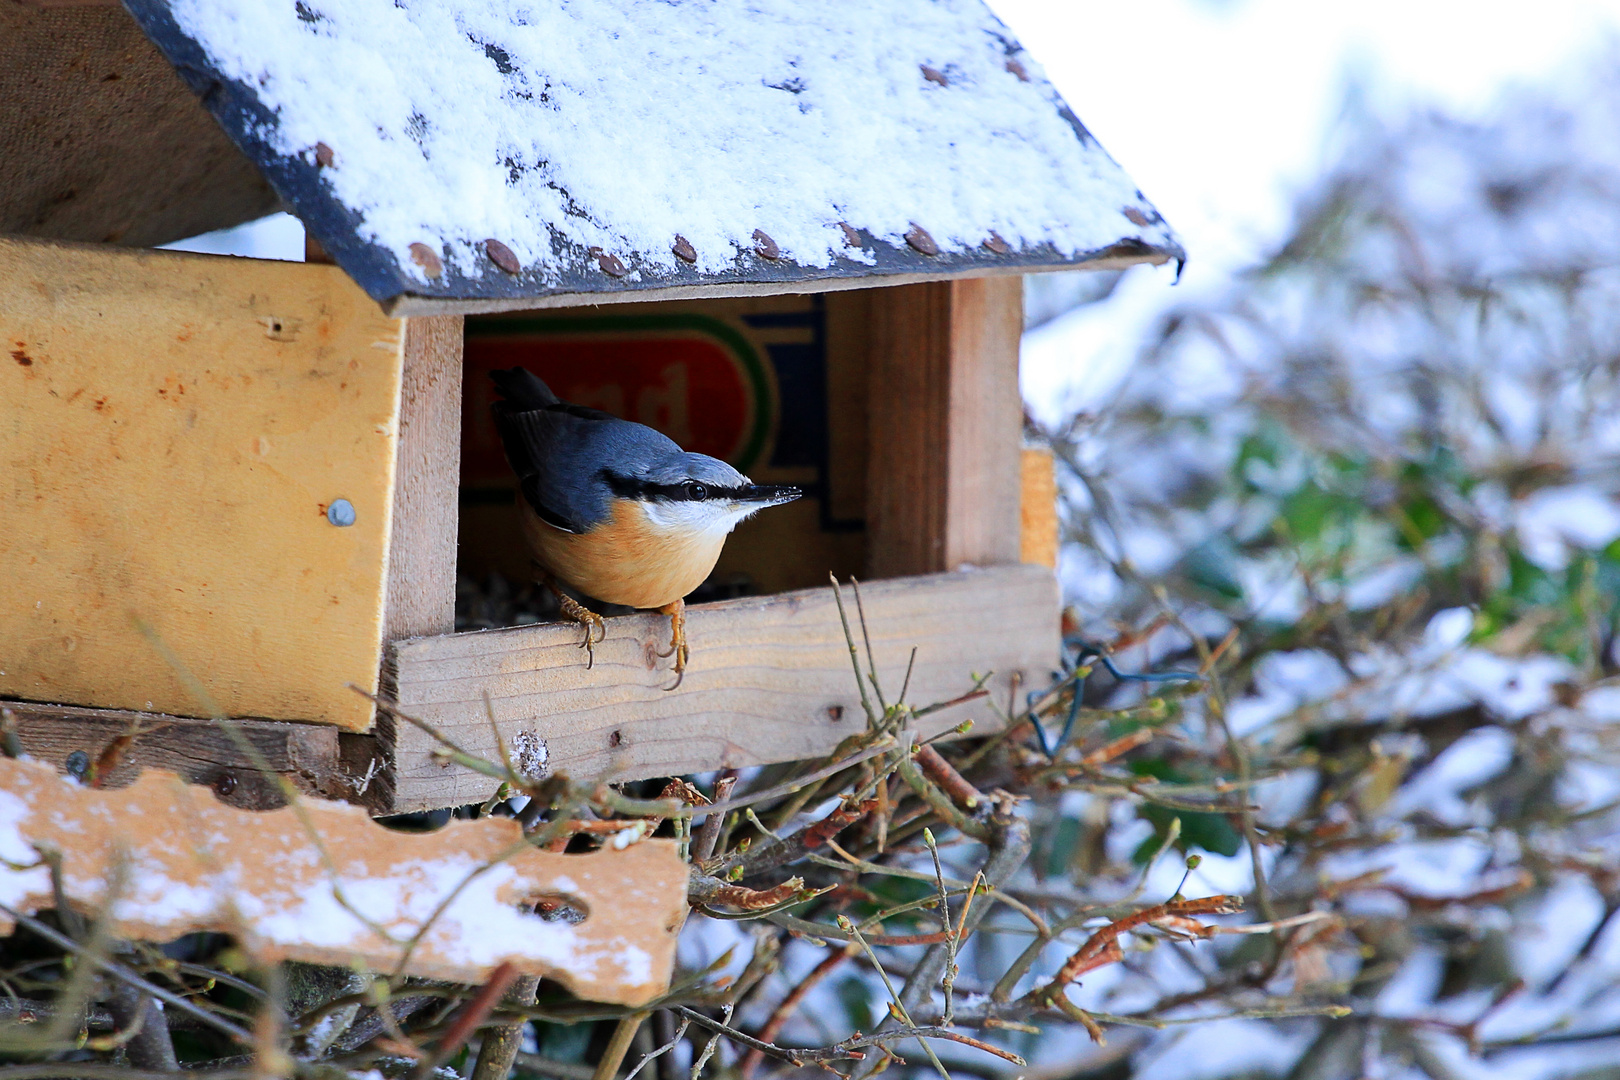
(1222, 109)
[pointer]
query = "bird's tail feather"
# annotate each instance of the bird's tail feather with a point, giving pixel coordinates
(523, 388)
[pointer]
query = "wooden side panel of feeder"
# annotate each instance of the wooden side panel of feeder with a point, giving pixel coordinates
(769, 680)
(174, 428)
(944, 472)
(422, 545)
(1040, 531)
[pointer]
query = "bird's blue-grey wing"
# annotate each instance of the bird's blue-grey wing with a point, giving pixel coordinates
(544, 447)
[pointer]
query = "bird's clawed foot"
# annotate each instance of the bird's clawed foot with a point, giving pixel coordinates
(595, 628)
(677, 639)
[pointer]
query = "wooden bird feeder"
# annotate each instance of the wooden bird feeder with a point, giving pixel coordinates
(237, 486)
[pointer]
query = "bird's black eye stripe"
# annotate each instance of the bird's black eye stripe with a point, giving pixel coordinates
(630, 487)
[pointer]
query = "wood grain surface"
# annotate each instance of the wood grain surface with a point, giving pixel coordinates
(770, 680)
(200, 751)
(427, 482)
(945, 426)
(173, 429)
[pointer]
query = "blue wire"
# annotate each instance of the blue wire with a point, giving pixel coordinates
(1087, 650)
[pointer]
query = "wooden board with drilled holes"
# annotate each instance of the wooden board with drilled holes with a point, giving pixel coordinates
(295, 884)
(770, 680)
(173, 428)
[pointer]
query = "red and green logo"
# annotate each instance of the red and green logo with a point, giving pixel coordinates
(695, 378)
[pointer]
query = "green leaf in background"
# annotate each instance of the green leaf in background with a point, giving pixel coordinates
(1309, 509)
(856, 997)
(1206, 832)
(1213, 565)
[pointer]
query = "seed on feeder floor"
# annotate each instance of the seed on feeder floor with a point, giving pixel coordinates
(323, 155)
(427, 259)
(684, 250)
(1014, 66)
(934, 75)
(502, 256)
(996, 244)
(765, 245)
(611, 265)
(1135, 216)
(851, 237)
(918, 238)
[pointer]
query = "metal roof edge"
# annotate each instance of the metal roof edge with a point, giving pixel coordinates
(1117, 257)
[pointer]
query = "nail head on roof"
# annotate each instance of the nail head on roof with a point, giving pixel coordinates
(427, 259)
(684, 250)
(1135, 216)
(996, 244)
(934, 75)
(851, 237)
(610, 264)
(1017, 68)
(765, 245)
(502, 256)
(323, 155)
(918, 238)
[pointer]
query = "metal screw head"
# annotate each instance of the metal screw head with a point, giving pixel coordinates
(224, 784)
(78, 764)
(502, 256)
(427, 259)
(765, 245)
(340, 513)
(920, 241)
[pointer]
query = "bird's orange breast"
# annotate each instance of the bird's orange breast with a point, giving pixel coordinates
(627, 559)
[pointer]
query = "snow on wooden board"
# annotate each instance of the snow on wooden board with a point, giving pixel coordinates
(612, 145)
(291, 889)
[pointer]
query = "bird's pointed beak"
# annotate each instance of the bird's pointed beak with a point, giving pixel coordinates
(763, 495)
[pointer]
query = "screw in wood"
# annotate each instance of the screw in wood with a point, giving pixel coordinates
(340, 513)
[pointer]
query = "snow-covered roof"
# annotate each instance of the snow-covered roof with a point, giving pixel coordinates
(486, 154)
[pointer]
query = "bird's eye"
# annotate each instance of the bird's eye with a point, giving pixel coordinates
(696, 491)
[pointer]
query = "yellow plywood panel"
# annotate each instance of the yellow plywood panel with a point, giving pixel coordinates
(1039, 535)
(172, 430)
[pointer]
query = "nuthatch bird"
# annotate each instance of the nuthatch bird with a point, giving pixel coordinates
(616, 510)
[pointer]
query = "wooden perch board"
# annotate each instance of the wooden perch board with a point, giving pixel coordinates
(174, 428)
(191, 863)
(770, 680)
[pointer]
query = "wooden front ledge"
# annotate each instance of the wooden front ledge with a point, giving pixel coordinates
(769, 680)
